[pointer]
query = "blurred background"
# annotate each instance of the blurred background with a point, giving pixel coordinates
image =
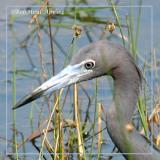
(34, 47)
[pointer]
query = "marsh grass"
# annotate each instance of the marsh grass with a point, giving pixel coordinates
(15, 143)
(81, 148)
(79, 133)
(15, 132)
(117, 17)
(99, 130)
(133, 35)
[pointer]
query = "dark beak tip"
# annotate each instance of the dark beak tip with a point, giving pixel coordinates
(16, 106)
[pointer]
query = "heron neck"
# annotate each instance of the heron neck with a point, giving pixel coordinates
(125, 98)
(120, 114)
(126, 91)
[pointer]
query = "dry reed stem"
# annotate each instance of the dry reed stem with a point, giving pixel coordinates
(49, 121)
(58, 131)
(35, 16)
(44, 74)
(47, 143)
(35, 19)
(57, 144)
(99, 126)
(81, 149)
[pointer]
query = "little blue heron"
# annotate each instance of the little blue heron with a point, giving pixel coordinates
(107, 58)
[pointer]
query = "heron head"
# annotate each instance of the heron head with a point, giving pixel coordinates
(94, 60)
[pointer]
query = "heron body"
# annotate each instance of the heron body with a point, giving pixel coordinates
(107, 58)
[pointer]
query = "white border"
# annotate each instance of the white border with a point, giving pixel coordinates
(81, 6)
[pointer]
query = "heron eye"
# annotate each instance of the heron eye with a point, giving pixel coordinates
(89, 65)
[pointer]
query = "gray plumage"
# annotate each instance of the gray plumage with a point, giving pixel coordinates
(108, 58)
